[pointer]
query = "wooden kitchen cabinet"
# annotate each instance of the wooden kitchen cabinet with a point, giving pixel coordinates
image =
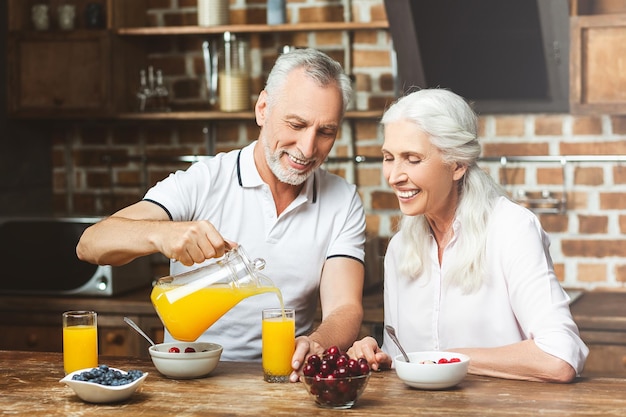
(33, 323)
(601, 319)
(598, 57)
(65, 73)
(59, 74)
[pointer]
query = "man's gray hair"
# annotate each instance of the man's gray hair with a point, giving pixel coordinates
(317, 65)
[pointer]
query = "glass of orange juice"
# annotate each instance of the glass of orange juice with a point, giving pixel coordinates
(80, 340)
(279, 343)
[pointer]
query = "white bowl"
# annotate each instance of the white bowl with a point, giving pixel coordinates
(184, 365)
(98, 393)
(431, 375)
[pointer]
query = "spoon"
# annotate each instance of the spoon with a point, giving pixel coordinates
(392, 333)
(138, 330)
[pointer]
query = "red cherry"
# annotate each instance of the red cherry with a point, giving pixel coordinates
(343, 360)
(332, 358)
(309, 370)
(189, 349)
(364, 368)
(344, 386)
(443, 360)
(333, 350)
(341, 372)
(330, 380)
(174, 349)
(454, 360)
(353, 367)
(326, 367)
(315, 361)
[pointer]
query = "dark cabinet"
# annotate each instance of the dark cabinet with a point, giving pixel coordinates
(601, 319)
(33, 323)
(59, 74)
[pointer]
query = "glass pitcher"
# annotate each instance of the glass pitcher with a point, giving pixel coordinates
(189, 303)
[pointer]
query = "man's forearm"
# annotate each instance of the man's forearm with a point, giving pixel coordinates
(340, 328)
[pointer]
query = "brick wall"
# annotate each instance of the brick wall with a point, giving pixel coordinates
(100, 167)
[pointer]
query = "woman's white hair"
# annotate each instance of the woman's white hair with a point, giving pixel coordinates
(450, 123)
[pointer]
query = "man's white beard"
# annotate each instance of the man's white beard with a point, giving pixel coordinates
(286, 175)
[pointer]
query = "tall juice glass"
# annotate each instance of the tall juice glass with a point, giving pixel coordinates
(80, 340)
(279, 343)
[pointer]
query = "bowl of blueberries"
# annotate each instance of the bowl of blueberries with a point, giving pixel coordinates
(104, 384)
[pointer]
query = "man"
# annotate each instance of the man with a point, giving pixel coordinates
(271, 198)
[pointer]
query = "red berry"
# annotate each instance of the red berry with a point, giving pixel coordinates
(344, 386)
(353, 367)
(326, 367)
(364, 367)
(189, 349)
(333, 350)
(331, 381)
(341, 372)
(443, 360)
(315, 361)
(174, 349)
(343, 360)
(454, 360)
(309, 370)
(331, 358)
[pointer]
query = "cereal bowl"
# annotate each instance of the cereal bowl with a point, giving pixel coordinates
(426, 370)
(95, 392)
(337, 393)
(185, 360)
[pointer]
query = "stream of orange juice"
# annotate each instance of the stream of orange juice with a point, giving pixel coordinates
(80, 348)
(187, 318)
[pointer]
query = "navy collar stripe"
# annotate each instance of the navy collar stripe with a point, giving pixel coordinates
(241, 181)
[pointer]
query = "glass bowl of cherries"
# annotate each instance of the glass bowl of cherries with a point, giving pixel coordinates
(333, 379)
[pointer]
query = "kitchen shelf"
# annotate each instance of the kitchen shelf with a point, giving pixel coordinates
(549, 204)
(562, 159)
(180, 116)
(251, 28)
(217, 115)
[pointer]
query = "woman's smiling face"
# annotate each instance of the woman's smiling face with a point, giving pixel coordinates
(416, 171)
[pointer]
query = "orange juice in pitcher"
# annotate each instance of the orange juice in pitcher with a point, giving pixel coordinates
(189, 303)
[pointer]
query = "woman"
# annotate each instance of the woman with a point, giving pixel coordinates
(469, 270)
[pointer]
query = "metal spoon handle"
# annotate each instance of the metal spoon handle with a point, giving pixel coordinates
(392, 333)
(138, 330)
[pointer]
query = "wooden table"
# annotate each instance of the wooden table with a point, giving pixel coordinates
(29, 385)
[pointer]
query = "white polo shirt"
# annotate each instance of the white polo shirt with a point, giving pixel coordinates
(325, 220)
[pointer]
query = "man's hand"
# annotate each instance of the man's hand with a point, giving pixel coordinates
(305, 347)
(190, 242)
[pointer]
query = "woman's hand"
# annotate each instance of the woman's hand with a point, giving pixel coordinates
(368, 348)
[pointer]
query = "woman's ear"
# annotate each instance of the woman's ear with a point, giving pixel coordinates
(459, 171)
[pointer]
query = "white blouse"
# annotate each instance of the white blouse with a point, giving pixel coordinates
(520, 298)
